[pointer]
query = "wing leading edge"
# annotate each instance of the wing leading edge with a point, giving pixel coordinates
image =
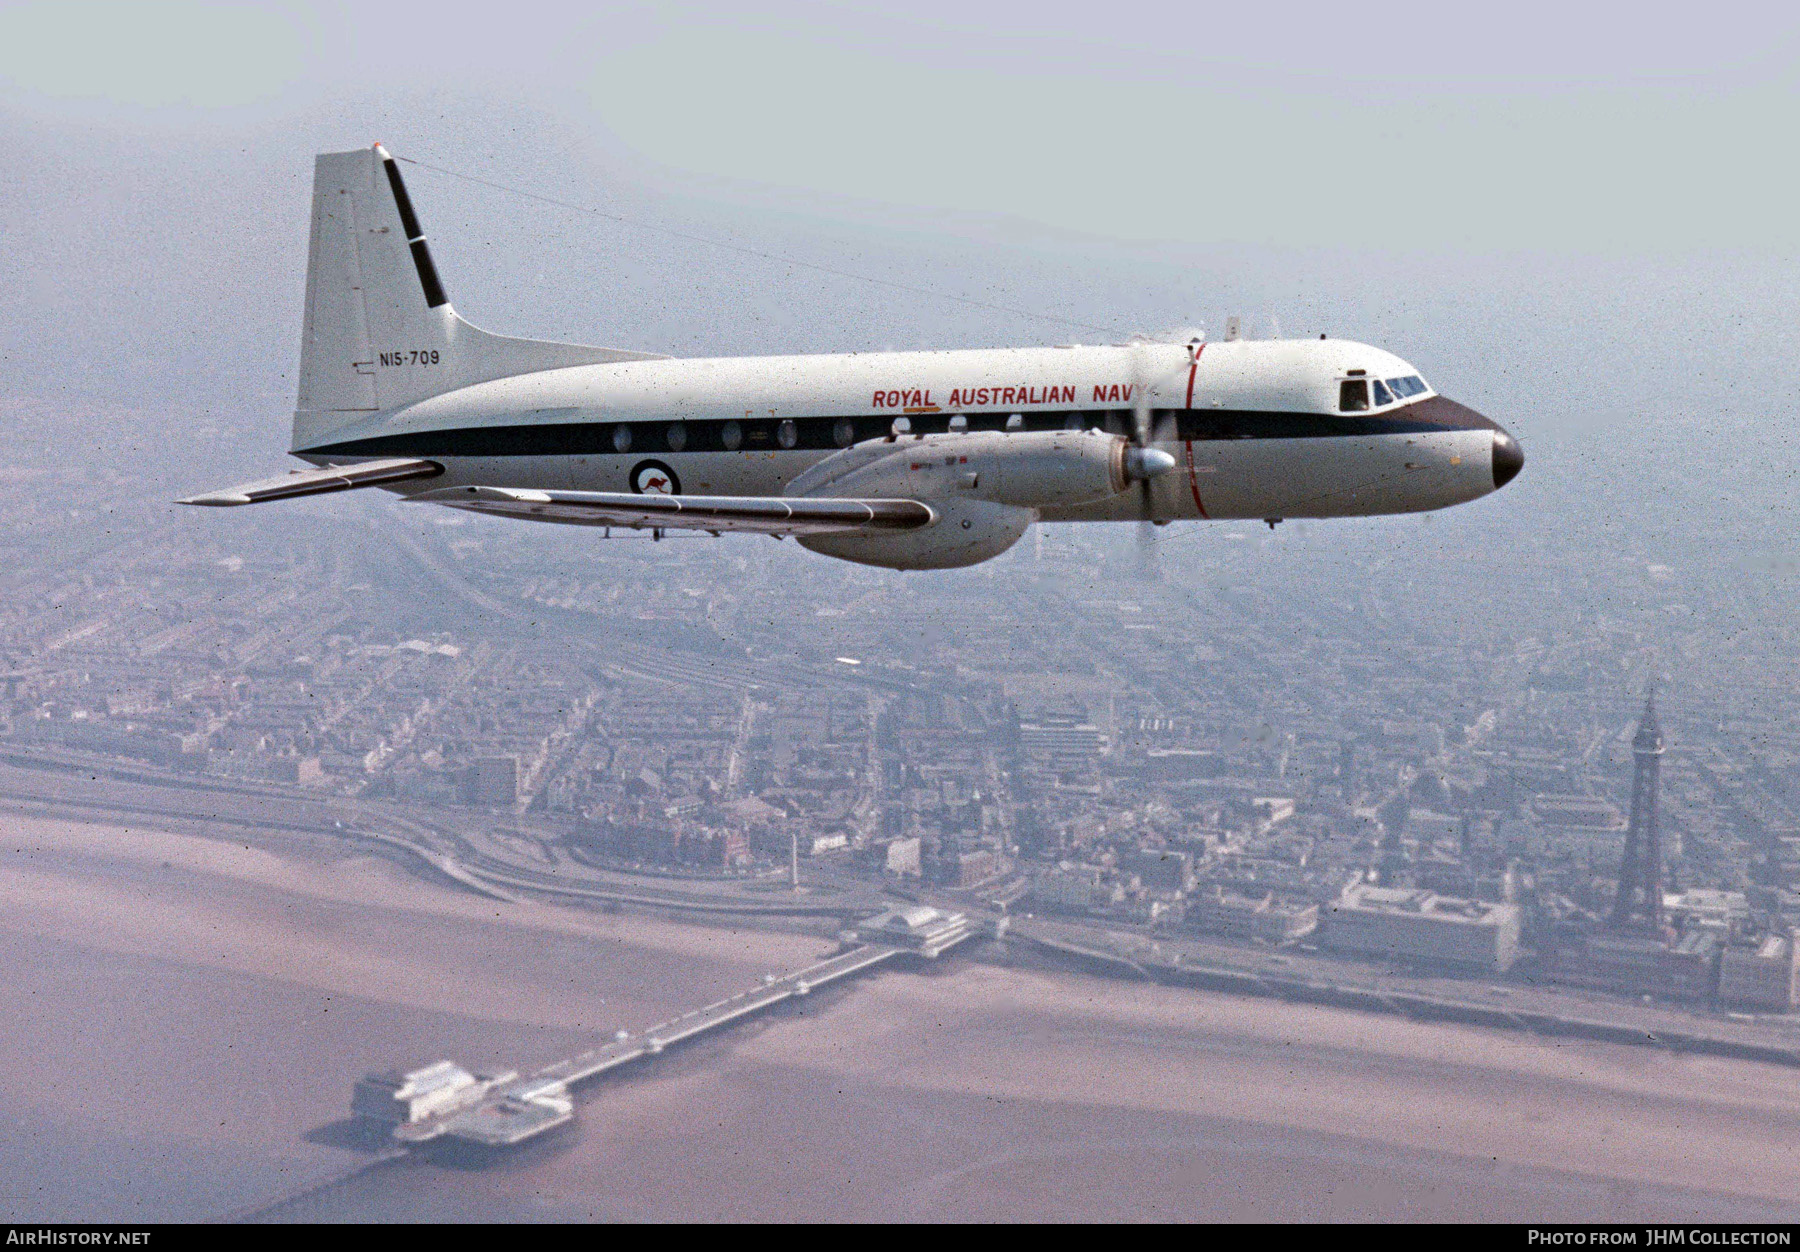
(762, 515)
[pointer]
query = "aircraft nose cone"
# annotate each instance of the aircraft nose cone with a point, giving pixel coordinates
(1509, 459)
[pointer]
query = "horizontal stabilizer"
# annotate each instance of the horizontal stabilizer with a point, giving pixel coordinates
(319, 481)
(763, 515)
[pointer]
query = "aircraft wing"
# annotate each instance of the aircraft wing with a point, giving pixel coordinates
(318, 481)
(763, 515)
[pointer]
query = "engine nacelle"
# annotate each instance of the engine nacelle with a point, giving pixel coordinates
(967, 532)
(986, 486)
(1029, 469)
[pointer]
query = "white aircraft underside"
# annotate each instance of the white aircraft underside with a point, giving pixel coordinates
(911, 460)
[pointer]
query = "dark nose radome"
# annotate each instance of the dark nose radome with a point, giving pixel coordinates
(1509, 459)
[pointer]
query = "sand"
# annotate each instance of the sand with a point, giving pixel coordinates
(188, 1014)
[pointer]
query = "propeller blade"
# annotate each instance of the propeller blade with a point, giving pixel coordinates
(1149, 552)
(1140, 462)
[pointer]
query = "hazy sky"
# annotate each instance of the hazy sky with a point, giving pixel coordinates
(1410, 125)
(1560, 214)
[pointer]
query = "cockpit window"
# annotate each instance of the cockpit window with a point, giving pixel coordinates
(1353, 395)
(1406, 388)
(1382, 395)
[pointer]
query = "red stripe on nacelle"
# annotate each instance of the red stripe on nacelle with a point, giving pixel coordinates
(1194, 483)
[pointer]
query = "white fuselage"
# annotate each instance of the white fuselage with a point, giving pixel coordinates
(1258, 428)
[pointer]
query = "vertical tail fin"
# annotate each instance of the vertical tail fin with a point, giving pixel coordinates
(380, 333)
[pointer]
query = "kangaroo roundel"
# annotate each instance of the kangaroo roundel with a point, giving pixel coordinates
(653, 478)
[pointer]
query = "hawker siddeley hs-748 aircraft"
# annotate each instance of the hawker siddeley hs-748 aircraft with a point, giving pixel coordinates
(911, 460)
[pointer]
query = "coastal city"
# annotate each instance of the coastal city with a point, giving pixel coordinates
(537, 686)
(1375, 746)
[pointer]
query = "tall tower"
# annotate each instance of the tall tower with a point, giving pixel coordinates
(1641, 871)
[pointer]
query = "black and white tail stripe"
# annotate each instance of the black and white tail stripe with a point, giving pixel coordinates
(415, 238)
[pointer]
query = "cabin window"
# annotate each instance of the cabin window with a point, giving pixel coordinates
(1353, 395)
(1382, 394)
(732, 436)
(677, 436)
(843, 432)
(621, 438)
(786, 434)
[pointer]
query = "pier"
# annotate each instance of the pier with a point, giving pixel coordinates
(500, 1110)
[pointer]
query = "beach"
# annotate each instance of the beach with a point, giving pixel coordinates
(189, 1013)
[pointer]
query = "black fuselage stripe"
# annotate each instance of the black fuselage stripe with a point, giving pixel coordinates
(814, 434)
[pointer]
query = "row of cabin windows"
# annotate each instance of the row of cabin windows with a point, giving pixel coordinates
(1354, 394)
(772, 434)
(841, 432)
